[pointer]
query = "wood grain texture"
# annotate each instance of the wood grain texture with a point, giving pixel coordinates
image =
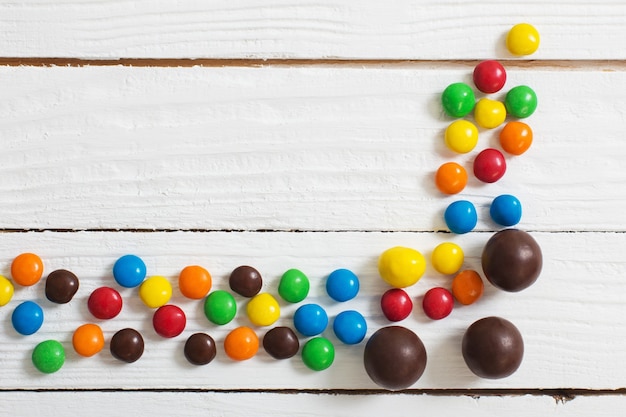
(406, 29)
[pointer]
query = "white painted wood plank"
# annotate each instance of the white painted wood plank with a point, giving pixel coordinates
(406, 29)
(570, 319)
(313, 148)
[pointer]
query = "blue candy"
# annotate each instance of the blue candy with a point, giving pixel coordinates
(27, 318)
(350, 327)
(461, 217)
(342, 285)
(129, 271)
(310, 319)
(506, 210)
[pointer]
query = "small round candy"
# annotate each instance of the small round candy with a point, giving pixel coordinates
(129, 271)
(447, 258)
(61, 286)
(461, 136)
(200, 349)
(489, 113)
(104, 303)
(263, 309)
(522, 39)
(342, 285)
(461, 217)
(127, 345)
(467, 287)
(27, 318)
(6, 290)
(318, 353)
(26, 269)
(245, 281)
(489, 76)
(451, 178)
(48, 356)
(281, 342)
(156, 291)
(220, 307)
(396, 304)
(294, 286)
(241, 343)
(521, 101)
(169, 321)
(489, 165)
(194, 282)
(458, 99)
(88, 339)
(516, 137)
(401, 267)
(310, 319)
(350, 327)
(506, 210)
(437, 303)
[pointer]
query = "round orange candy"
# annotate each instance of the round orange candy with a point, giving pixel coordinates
(516, 137)
(241, 343)
(451, 178)
(88, 339)
(194, 282)
(467, 287)
(27, 269)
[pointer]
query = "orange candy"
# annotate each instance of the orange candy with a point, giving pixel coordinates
(194, 282)
(27, 269)
(88, 339)
(451, 178)
(467, 287)
(516, 137)
(241, 343)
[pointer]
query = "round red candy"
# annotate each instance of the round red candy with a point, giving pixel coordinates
(169, 321)
(396, 304)
(489, 76)
(438, 303)
(104, 303)
(489, 165)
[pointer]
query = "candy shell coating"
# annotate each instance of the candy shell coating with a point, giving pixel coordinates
(516, 137)
(451, 178)
(438, 303)
(506, 210)
(200, 349)
(522, 39)
(220, 307)
(281, 342)
(61, 286)
(48, 356)
(401, 267)
(294, 286)
(6, 290)
(489, 165)
(194, 282)
(396, 304)
(467, 287)
(489, 113)
(458, 99)
(169, 321)
(245, 281)
(447, 258)
(27, 318)
(127, 345)
(310, 319)
(461, 136)
(263, 309)
(489, 76)
(105, 303)
(88, 339)
(26, 269)
(155, 291)
(241, 343)
(318, 353)
(521, 101)
(461, 217)
(342, 285)
(129, 271)
(350, 327)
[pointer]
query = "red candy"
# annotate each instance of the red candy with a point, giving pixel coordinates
(105, 303)
(489, 165)
(169, 321)
(489, 76)
(396, 304)
(438, 303)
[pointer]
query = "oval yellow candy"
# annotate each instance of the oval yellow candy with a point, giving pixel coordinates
(401, 267)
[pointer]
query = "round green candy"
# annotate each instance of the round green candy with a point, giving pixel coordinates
(294, 286)
(48, 356)
(458, 99)
(220, 307)
(521, 101)
(318, 353)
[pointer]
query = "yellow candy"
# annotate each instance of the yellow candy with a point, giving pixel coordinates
(489, 113)
(263, 309)
(461, 136)
(522, 39)
(155, 291)
(6, 290)
(447, 258)
(401, 267)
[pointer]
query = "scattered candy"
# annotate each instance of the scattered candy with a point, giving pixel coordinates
(489, 113)
(318, 353)
(48, 356)
(127, 345)
(6, 290)
(200, 349)
(61, 286)
(294, 286)
(310, 319)
(516, 137)
(506, 210)
(522, 39)
(461, 136)
(458, 99)
(521, 101)
(263, 309)
(396, 304)
(27, 318)
(467, 287)
(104, 303)
(155, 291)
(169, 321)
(489, 76)
(129, 271)
(401, 267)
(451, 178)
(492, 348)
(88, 340)
(220, 307)
(489, 165)
(447, 258)
(350, 327)
(245, 281)
(26, 269)
(342, 285)
(437, 303)
(194, 282)
(241, 343)
(281, 343)
(461, 217)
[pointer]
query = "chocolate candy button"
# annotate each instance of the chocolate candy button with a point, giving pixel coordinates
(281, 342)
(127, 345)
(61, 286)
(200, 349)
(245, 281)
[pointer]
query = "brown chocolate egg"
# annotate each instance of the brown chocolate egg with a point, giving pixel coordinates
(493, 348)
(512, 260)
(245, 281)
(394, 357)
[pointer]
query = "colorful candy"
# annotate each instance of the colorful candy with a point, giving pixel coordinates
(310, 319)
(294, 286)
(318, 353)
(516, 137)
(506, 210)
(461, 217)
(245, 281)
(220, 307)
(467, 287)
(48, 356)
(401, 267)
(458, 99)
(396, 304)
(461, 136)
(88, 339)
(263, 309)
(451, 178)
(241, 343)
(522, 39)
(438, 303)
(350, 327)
(27, 318)
(194, 282)
(281, 342)
(447, 258)
(61, 286)
(169, 321)
(129, 271)
(489, 76)
(105, 303)
(6, 290)
(127, 345)
(489, 113)
(200, 349)
(489, 165)
(521, 101)
(26, 269)
(155, 291)
(342, 285)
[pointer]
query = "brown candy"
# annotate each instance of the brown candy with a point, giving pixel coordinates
(394, 357)
(61, 286)
(281, 342)
(245, 281)
(200, 349)
(493, 348)
(512, 260)
(127, 345)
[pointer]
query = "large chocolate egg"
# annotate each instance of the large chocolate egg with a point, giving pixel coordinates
(512, 260)
(493, 348)
(395, 357)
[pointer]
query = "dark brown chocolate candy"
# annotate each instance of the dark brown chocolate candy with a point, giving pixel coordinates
(245, 281)
(394, 357)
(200, 349)
(61, 286)
(512, 260)
(127, 345)
(281, 342)
(493, 348)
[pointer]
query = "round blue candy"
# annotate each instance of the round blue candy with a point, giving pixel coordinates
(461, 217)
(350, 327)
(310, 319)
(129, 271)
(342, 285)
(506, 210)
(27, 318)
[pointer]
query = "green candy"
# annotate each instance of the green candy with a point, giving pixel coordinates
(521, 101)
(458, 99)
(294, 286)
(48, 356)
(220, 307)
(318, 353)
